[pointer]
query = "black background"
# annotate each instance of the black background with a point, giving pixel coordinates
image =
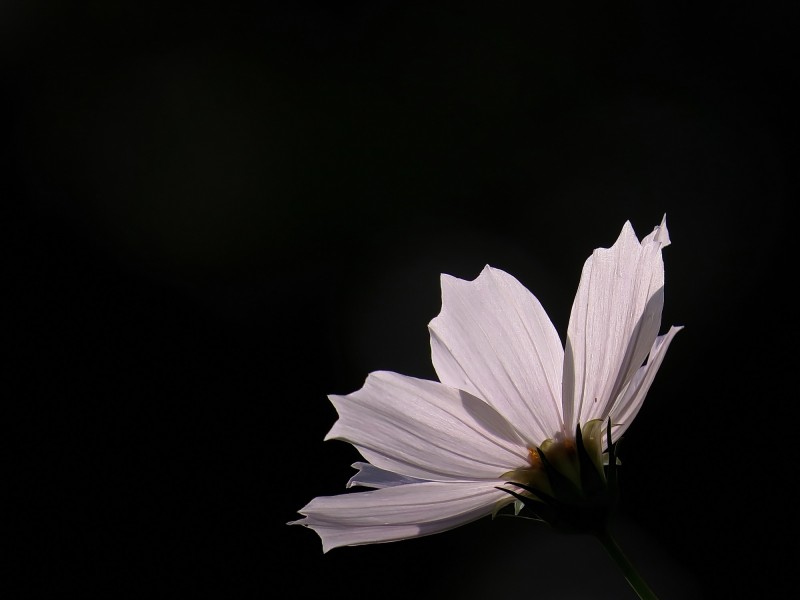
(218, 213)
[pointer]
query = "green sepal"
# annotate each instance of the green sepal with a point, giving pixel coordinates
(518, 506)
(563, 487)
(543, 511)
(592, 436)
(540, 496)
(525, 500)
(584, 517)
(499, 506)
(611, 469)
(592, 480)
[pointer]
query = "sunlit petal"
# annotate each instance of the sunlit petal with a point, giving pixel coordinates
(399, 512)
(493, 339)
(614, 321)
(426, 430)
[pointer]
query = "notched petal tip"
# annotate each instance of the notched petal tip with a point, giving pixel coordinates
(447, 283)
(338, 400)
(494, 340)
(327, 545)
(663, 233)
(660, 234)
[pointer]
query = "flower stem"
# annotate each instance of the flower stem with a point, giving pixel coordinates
(631, 574)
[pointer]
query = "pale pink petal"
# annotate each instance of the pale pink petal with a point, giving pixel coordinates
(493, 339)
(614, 321)
(371, 476)
(399, 512)
(426, 430)
(629, 403)
(659, 234)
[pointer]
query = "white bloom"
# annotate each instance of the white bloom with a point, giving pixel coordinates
(437, 452)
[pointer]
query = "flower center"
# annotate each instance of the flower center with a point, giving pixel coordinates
(561, 456)
(534, 459)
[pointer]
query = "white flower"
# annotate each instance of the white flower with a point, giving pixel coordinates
(439, 452)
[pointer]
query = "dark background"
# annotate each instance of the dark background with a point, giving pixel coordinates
(218, 213)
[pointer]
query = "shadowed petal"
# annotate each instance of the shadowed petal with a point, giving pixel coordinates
(627, 407)
(426, 430)
(371, 476)
(494, 339)
(614, 321)
(399, 512)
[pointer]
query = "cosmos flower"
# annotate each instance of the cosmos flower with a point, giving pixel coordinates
(515, 415)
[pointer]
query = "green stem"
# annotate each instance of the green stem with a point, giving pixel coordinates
(631, 574)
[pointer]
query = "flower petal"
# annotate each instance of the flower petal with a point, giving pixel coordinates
(399, 512)
(493, 339)
(614, 321)
(659, 234)
(627, 407)
(426, 430)
(371, 476)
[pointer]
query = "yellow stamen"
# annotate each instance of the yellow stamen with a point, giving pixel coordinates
(534, 458)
